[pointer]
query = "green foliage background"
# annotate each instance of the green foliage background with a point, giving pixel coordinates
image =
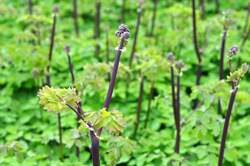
(28, 134)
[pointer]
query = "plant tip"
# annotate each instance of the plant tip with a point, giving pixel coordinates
(55, 9)
(170, 57)
(233, 50)
(123, 32)
(179, 64)
(67, 48)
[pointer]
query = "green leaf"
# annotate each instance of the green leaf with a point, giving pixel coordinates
(56, 99)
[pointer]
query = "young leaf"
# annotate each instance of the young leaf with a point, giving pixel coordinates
(56, 99)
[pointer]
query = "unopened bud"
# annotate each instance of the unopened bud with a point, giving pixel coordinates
(179, 64)
(55, 9)
(123, 31)
(171, 57)
(67, 49)
(233, 51)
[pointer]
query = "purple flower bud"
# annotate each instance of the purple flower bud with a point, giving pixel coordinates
(170, 57)
(233, 51)
(125, 35)
(123, 32)
(179, 64)
(55, 9)
(67, 49)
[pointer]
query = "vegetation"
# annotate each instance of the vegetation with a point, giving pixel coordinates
(118, 82)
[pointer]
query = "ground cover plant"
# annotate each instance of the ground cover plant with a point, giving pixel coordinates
(122, 82)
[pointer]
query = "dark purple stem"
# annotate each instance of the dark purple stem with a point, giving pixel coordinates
(178, 117)
(197, 50)
(107, 52)
(139, 106)
(247, 20)
(222, 53)
(30, 5)
(198, 74)
(94, 139)
(226, 125)
(195, 40)
(173, 95)
(138, 22)
(153, 18)
(71, 69)
(150, 97)
(222, 56)
(114, 73)
(97, 26)
(60, 134)
(79, 109)
(48, 78)
(202, 8)
(107, 47)
(217, 6)
(75, 17)
(52, 37)
(94, 148)
(245, 37)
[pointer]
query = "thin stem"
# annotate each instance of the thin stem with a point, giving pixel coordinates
(217, 6)
(222, 56)
(198, 74)
(172, 20)
(197, 51)
(222, 53)
(230, 64)
(123, 7)
(48, 78)
(150, 97)
(97, 26)
(173, 95)
(71, 69)
(75, 17)
(178, 117)
(220, 107)
(107, 47)
(107, 52)
(132, 54)
(153, 18)
(138, 23)
(202, 8)
(245, 37)
(114, 73)
(246, 21)
(195, 40)
(30, 6)
(226, 125)
(93, 137)
(60, 134)
(52, 38)
(139, 106)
